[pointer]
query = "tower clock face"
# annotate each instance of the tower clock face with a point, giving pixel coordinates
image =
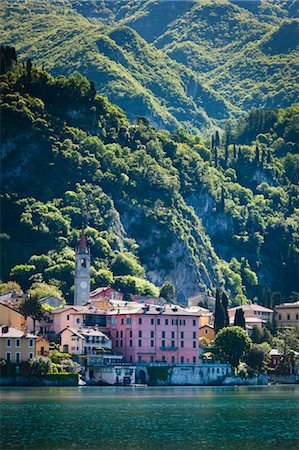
(83, 284)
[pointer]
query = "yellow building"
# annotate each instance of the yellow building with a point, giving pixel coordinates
(42, 346)
(207, 331)
(16, 345)
(11, 317)
(287, 314)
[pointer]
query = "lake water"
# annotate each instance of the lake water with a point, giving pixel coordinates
(150, 418)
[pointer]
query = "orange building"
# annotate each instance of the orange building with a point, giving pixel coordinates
(207, 331)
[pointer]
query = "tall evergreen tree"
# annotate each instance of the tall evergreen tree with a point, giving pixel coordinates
(222, 201)
(257, 153)
(219, 314)
(92, 90)
(239, 319)
(235, 151)
(225, 307)
(213, 142)
(216, 156)
(217, 139)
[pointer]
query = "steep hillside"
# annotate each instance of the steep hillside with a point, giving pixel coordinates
(179, 63)
(130, 72)
(163, 205)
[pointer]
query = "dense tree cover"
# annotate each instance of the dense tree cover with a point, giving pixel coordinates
(31, 307)
(71, 156)
(231, 344)
(167, 291)
(190, 64)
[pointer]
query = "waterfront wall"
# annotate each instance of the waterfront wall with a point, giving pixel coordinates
(194, 375)
(284, 379)
(184, 375)
(46, 380)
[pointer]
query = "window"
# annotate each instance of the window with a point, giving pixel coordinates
(121, 334)
(128, 321)
(18, 359)
(131, 343)
(297, 316)
(182, 359)
(182, 335)
(30, 343)
(158, 321)
(116, 343)
(30, 355)
(121, 343)
(139, 358)
(68, 317)
(194, 359)
(140, 321)
(194, 344)
(83, 263)
(152, 321)
(163, 343)
(122, 321)
(166, 321)
(288, 316)
(172, 334)
(182, 344)
(206, 331)
(194, 334)
(18, 343)
(152, 334)
(194, 322)
(182, 322)
(114, 321)
(131, 333)
(73, 348)
(8, 342)
(152, 343)
(78, 320)
(152, 358)
(139, 333)
(163, 358)
(163, 334)
(8, 358)
(117, 334)
(139, 343)
(131, 358)
(174, 321)
(172, 359)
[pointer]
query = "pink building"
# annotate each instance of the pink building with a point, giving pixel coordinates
(153, 333)
(70, 316)
(107, 293)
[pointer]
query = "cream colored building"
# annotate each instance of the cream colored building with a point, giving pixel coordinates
(83, 341)
(16, 346)
(287, 314)
(11, 317)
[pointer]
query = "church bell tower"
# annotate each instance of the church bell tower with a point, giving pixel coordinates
(82, 273)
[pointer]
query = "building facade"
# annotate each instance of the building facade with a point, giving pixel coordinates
(155, 334)
(16, 346)
(287, 314)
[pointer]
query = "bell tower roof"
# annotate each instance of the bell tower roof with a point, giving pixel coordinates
(82, 243)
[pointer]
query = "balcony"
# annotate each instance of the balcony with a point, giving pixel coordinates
(168, 347)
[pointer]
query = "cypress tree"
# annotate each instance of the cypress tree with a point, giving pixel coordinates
(268, 156)
(213, 142)
(239, 319)
(92, 90)
(257, 153)
(219, 321)
(235, 151)
(217, 139)
(216, 157)
(225, 306)
(222, 201)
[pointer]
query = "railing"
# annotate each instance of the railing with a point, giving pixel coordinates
(170, 347)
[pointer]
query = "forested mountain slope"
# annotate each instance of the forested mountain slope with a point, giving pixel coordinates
(157, 205)
(179, 63)
(129, 71)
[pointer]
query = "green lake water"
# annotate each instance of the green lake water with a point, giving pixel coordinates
(150, 418)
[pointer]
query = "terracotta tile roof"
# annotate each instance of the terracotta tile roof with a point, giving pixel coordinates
(288, 305)
(14, 333)
(252, 307)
